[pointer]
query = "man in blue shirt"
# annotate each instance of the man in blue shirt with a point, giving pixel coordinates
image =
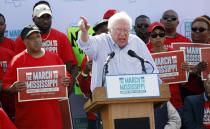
(119, 41)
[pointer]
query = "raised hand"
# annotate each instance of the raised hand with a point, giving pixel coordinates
(83, 24)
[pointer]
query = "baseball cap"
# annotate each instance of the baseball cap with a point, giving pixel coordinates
(98, 24)
(109, 13)
(154, 25)
(106, 17)
(28, 30)
(42, 9)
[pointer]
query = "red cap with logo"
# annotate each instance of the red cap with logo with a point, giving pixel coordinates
(154, 25)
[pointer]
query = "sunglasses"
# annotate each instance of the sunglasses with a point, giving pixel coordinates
(170, 18)
(154, 35)
(201, 29)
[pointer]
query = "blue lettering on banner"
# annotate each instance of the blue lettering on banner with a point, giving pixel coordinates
(132, 84)
(185, 27)
(12, 34)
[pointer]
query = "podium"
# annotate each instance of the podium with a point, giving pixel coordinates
(126, 113)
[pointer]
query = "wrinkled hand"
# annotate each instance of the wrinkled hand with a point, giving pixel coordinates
(68, 83)
(185, 66)
(202, 66)
(18, 87)
(83, 24)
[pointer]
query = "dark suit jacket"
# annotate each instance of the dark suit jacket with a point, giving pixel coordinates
(193, 112)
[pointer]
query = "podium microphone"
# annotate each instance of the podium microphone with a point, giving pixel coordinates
(110, 56)
(142, 60)
(105, 68)
(133, 54)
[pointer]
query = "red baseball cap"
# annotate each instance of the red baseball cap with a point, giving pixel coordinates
(154, 25)
(109, 13)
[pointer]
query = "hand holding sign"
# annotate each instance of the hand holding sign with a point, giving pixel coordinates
(185, 66)
(18, 86)
(201, 66)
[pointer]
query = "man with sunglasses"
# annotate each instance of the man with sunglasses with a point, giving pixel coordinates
(141, 24)
(170, 21)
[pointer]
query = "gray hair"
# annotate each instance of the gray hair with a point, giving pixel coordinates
(119, 16)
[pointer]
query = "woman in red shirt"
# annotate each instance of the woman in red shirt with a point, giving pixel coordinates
(200, 34)
(157, 39)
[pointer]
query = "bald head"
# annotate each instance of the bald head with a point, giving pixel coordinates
(170, 12)
(170, 21)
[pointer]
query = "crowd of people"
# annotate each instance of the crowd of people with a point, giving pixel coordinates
(41, 45)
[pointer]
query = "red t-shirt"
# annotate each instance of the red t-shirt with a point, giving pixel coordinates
(8, 43)
(7, 100)
(5, 122)
(195, 84)
(178, 38)
(56, 42)
(43, 114)
(175, 99)
(168, 41)
(5, 57)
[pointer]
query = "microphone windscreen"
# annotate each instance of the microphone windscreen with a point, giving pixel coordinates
(112, 54)
(131, 53)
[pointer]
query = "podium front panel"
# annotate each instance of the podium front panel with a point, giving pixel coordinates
(113, 114)
(135, 123)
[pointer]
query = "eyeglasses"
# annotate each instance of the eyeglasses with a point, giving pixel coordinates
(120, 31)
(170, 18)
(200, 30)
(154, 35)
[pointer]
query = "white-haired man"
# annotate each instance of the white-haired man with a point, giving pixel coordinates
(119, 41)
